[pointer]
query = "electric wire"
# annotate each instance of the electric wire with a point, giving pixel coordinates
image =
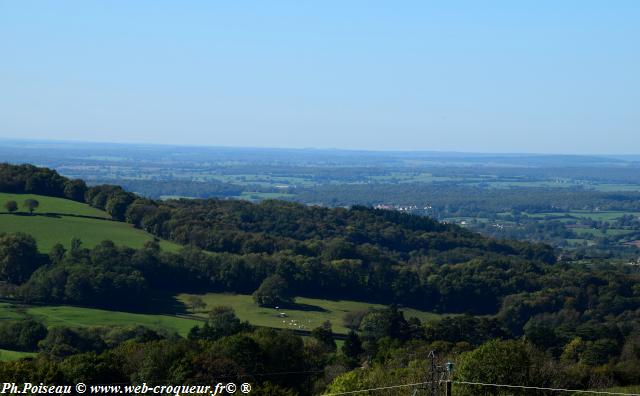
(544, 388)
(486, 384)
(375, 389)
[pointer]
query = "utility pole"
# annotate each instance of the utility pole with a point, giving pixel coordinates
(437, 378)
(433, 381)
(447, 388)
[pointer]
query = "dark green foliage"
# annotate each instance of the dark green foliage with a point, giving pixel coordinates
(600, 351)
(103, 276)
(62, 341)
(31, 180)
(113, 199)
(352, 319)
(389, 323)
(57, 253)
(11, 206)
(222, 322)
(31, 204)
(21, 335)
(324, 335)
(465, 328)
(273, 291)
(19, 257)
(352, 347)
(75, 190)
(497, 362)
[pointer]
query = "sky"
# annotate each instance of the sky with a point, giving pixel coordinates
(479, 76)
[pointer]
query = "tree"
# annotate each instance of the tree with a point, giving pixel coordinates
(196, 302)
(11, 206)
(388, 322)
(222, 322)
(498, 362)
(63, 341)
(75, 190)
(21, 335)
(352, 347)
(19, 257)
(324, 335)
(31, 204)
(352, 319)
(56, 254)
(273, 291)
(117, 204)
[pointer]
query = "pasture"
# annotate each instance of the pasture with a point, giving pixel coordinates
(59, 220)
(307, 314)
(52, 205)
(7, 355)
(62, 315)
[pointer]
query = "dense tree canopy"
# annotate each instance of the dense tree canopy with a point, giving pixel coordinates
(19, 257)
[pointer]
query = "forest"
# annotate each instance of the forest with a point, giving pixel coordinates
(548, 319)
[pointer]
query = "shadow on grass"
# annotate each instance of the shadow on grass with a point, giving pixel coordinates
(304, 307)
(55, 215)
(165, 303)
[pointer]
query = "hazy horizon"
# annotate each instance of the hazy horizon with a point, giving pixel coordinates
(73, 142)
(499, 77)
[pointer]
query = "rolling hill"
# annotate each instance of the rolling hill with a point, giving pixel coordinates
(58, 220)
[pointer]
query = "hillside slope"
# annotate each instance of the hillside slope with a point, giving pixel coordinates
(354, 254)
(59, 220)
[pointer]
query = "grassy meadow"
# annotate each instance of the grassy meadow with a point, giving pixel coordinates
(7, 355)
(51, 205)
(61, 315)
(306, 315)
(57, 221)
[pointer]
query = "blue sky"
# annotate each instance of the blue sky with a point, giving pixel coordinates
(492, 76)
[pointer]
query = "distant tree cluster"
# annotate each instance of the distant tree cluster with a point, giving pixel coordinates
(29, 204)
(448, 199)
(30, 179)
(180, 188)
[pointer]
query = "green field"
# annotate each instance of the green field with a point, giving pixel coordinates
(10, 311)
(309, 313)
(64, 224)
(258, 196)
(584, 214)
(6, 355)
(52, 205)
(62, 315)
(599, 233)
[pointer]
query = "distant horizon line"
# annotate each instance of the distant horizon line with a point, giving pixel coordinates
(339, 149)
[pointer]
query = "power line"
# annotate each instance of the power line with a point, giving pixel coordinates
(375, 389)
(485, 384)
(543, 388)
